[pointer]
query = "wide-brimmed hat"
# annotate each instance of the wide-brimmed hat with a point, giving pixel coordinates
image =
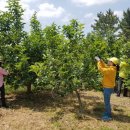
(114, 60)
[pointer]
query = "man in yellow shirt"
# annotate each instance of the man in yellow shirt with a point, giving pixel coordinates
(109, 75)
(122, 76)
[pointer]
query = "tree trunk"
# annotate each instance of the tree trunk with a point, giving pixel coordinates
(29, 88)
(79, 100)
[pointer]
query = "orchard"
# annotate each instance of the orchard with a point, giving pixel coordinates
(60, 59)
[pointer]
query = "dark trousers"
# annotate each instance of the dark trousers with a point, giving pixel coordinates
(125, 93)
(120, 85)
(2, 89)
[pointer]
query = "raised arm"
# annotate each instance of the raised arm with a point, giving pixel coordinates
(101, 65)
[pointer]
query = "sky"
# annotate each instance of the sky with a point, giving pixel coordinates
(62, 11)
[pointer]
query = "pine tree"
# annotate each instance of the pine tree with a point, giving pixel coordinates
(125, 24)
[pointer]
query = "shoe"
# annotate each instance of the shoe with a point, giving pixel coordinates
(106, 118)
(118, 95)
(5, 106)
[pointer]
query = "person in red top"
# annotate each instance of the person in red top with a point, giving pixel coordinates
(3, 73)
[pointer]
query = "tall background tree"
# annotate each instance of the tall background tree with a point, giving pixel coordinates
(125, 24)
(107, 26)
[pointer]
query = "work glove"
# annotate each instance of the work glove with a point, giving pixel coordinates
(97, 58)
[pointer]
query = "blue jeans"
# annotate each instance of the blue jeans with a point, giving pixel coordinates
(107, 95)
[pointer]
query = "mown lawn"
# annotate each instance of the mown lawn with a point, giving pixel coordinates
(39, 111)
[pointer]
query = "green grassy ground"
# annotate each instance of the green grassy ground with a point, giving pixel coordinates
(39, 111)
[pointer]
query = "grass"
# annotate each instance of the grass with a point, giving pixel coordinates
(39, 111)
